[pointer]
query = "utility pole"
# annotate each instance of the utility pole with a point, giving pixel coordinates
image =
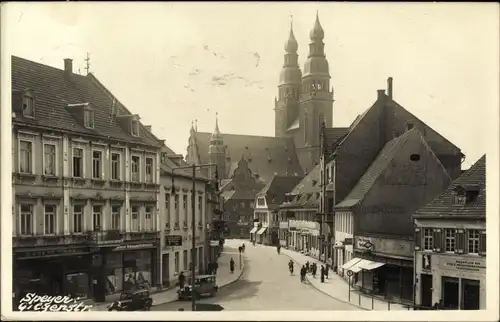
(87, 63)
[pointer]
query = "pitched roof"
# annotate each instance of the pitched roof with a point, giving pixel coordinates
(306, 192)
(443, 205)
(266, 156)
(54, 90)
(276, 189)
(382, 160)
(333, 135)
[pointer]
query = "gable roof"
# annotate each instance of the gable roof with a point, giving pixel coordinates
(443, 205)
(333, 135)
(54, 90)
(380, 163)
(276, 189)
(307, 192)
(266, 156)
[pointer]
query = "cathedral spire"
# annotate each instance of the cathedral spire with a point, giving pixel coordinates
(317, 33)
(216, 134)
(291, 45)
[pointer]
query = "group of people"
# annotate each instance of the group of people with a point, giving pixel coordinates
(311, 268)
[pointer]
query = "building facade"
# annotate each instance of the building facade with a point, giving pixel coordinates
(450, 245)
(85, 187)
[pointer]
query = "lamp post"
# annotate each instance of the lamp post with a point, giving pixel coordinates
(193, 222)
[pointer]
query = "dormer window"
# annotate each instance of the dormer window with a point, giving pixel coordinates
(28, 104)
(465, 194)
(88, 118)
(134, 128)
(409, 126)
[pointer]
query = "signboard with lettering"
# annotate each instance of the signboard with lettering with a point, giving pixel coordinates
(364, 243)
(52, 252)
(173, 240)
(463, 264)
(133, 247)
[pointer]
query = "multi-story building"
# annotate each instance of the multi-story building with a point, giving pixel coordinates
(176, 201)
(266, 214)
(85, 186)
(450, 244)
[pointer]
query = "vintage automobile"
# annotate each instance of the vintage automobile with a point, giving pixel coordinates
(204, 285)
(136, 300)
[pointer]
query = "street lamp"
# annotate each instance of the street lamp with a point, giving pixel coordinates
(193, 222)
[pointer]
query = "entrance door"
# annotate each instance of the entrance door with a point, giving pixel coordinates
(166, 269)
(470, 294)
(450, 292)
(426, 290)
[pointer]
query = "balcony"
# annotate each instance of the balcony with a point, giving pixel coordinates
(104, 237)
(49, 240)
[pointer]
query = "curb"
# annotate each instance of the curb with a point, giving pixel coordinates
(318, 289)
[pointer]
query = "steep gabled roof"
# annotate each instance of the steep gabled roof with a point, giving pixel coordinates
(443, 205)
(276, 189)
(333, 135)
(306, 192)
(266, 156)
(54, 90)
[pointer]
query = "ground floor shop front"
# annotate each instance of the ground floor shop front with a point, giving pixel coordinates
(458, 281)
(388, 277)
(178, 259)
(305, 241)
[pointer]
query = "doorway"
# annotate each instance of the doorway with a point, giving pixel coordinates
(450, 292)
(470, 294)
(426, 290)
(166, 270)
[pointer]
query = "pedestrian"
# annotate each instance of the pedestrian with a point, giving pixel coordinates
(290, 267)
(231, 265)
(314, 270)
(303, 273)
(307, 266)
(182, 280)
(327, 268)
(215, 267)
(322, 272)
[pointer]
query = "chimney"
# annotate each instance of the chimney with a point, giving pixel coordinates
(389, 87)
(148, 127)
(68, 66)
(380, 93)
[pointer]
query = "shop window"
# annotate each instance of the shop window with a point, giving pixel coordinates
(473, 241)
(77, 284)
(428, 239)
(49, 219)
(450, 241)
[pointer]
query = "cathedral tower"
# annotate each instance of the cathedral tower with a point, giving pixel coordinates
(217, 152)
(286, 106)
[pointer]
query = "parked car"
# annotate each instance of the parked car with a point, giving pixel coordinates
(204, 285)
(137, 300)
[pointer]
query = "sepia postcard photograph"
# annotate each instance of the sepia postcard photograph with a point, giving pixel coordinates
(250, 161)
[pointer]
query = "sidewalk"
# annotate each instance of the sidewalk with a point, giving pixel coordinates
(338, 288)
(224, 278)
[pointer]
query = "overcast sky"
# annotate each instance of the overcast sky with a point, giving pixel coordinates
(176, 62)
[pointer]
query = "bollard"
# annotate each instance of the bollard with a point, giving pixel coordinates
(373, 303)
(388, 305)
(359, 299)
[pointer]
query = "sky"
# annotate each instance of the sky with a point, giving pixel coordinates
(173, 63)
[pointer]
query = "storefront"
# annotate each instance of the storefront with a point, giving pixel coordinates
(54, 271)
(261, 235)
(460, 281)
(253, 233)
(283, 234)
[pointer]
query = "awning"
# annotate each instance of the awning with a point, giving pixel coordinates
(261, 231)
(254, 229)
(350, 263)
(369, 265)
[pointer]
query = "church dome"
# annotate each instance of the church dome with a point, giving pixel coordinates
(291, 45)
(317, 33)
(316, 66)
(290, 75)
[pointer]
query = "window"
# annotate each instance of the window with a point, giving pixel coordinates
(473, 241)
(115, 166)
(149, 170)
(115, 217)
(135, 167)
(77, 163)
(25, 157)
(135, 218)
(96, 164)
(428, 239)
(260, 201)
(185, 259)
(200, 204)
(184, 201)
(242, 204)
(449, 235)
(49, 219)
(176, 262)
(96, 218)
(177, 210)
(149, 219)
(26, 220)
(78, 218)
(88, 116)
(167, 209)
(134, 128)
(28, 106)
(49, 160)
(460, 198)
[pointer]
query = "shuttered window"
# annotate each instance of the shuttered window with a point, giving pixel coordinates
(482, 243)
(450, 240)
(418, 238)
(438, 240)
(459, 241)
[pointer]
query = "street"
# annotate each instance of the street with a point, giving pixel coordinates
(266, 284)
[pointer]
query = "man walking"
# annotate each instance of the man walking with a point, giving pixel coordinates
(322, 272)
(327, 268)
(182, 280)
(303, 273)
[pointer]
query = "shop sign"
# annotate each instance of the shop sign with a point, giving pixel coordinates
(214, 243)
(347, 241)
(462, 264)
(51, 252)
(364, 243)
(243, 223)
(134, 246)
(173, 240)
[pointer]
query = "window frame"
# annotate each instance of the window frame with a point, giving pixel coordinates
(135, 165)
(474, 239)
(54, 161)
(99, 164)
(97, 214)
(116, 217)
(81, 214)
(22, 214)
(150, 226)
(31, 156)
(51, 215)
(427, 239)
(134, 128)
(28, 97)
(118, 164)
(89, 118)
(151, 169)
(134, 222)
(452, 239)
(81, 161)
